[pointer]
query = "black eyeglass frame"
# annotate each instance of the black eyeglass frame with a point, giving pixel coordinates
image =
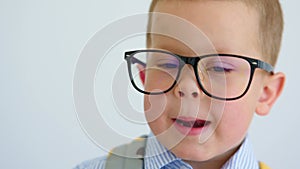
(254, 64)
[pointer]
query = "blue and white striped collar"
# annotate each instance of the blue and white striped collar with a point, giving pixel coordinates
(243, 158)
(158, 157)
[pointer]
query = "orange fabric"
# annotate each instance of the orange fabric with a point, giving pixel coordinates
(263, 166)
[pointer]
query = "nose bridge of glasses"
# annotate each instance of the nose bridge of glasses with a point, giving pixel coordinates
(188, 68)
(189, 62)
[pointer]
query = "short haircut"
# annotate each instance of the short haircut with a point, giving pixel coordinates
(270, 26)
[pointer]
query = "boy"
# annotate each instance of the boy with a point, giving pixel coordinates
(199, 104)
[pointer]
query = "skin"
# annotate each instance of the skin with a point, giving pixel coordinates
(232, 28)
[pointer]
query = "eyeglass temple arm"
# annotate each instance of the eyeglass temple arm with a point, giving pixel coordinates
(265, 66)
(135, 60)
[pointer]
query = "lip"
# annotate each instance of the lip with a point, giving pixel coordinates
(190, 126)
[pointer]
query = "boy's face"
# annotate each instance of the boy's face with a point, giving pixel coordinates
(232, 28)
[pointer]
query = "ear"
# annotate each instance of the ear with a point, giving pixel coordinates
(271, 91)
(141, 73)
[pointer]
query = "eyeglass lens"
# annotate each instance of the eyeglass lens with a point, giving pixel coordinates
(220, 76)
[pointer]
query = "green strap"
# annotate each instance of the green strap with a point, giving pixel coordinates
(127, 156)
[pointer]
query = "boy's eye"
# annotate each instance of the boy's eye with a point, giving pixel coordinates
(168, 65)
(219, 67)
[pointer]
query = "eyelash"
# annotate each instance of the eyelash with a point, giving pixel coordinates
(168, 65)
(220, 69)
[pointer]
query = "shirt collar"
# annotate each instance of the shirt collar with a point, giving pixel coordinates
(243, 158)
(157, 156)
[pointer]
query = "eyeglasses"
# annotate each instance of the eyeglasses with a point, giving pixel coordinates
(220, 76)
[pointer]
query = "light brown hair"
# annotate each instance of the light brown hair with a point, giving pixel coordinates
(270, 26)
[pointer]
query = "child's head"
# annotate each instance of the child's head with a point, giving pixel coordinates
(270, 24)
(249, 28)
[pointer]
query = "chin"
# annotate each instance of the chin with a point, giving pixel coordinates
(192, 152)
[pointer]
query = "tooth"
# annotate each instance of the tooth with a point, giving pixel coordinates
(180, 122)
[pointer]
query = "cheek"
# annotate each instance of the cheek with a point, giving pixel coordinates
(238, 114)
(236, 119)
(156, 112)
(154, 107)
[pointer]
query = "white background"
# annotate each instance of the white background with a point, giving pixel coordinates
(40, 41)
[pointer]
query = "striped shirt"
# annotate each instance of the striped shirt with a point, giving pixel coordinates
(243, 159)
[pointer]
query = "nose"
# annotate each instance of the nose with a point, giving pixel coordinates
(187, 85)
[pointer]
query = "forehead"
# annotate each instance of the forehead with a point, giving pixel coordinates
(229, 26)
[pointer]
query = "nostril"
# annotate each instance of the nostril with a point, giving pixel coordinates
(181, 94)
(194, 94)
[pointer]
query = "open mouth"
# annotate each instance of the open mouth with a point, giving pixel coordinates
(189, 126)
(192, 124)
